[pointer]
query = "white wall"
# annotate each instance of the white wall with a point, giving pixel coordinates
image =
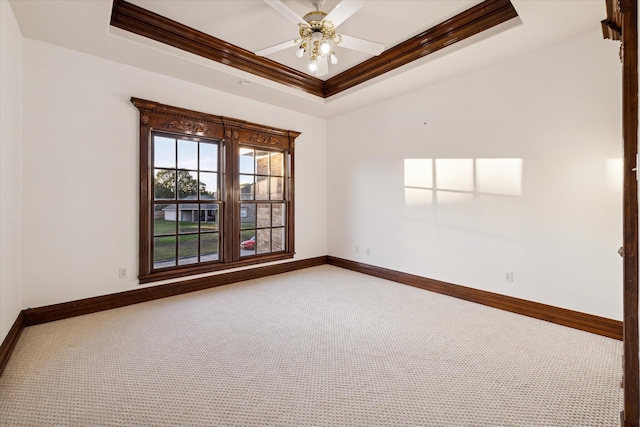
(81, 169)
(11, 56)
(555, 222)
(543, 133)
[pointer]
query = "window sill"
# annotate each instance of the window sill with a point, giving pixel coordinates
(191, 270)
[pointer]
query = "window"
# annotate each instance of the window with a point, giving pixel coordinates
(215, 192)
(186, 204)
(262, 206)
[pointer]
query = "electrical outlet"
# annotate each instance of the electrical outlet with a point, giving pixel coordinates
(508, 276)
(122, 273)
(368, 251)
(357, 249)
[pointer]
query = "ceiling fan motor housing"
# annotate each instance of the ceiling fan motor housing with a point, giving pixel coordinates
(315, 16)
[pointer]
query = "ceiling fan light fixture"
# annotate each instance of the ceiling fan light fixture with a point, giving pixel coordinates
(317, 31)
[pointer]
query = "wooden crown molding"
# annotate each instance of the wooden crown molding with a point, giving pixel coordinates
(475, 20)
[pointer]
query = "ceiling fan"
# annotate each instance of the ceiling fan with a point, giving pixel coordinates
(318, 35)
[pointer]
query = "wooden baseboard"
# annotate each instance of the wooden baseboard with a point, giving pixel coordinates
(10, 341)
(573, 319)
(49, 313)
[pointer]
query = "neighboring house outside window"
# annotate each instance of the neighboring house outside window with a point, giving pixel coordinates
(215, 192)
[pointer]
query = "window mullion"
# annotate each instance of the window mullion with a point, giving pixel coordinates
(231, 225)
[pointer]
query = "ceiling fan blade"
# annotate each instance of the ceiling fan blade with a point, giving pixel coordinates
(323, 67)
(361, 45)
(284, 10)
(276, 48)
(343, 11)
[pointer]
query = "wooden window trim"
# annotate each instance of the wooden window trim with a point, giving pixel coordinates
(157, 117)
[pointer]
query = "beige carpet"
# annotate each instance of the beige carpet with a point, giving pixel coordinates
(316, 347)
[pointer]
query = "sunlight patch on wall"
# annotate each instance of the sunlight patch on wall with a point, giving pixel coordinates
(499, 176)
(447, 181)
(454, 174)
(418, 173)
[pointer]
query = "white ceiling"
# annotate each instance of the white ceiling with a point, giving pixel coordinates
(253, 25)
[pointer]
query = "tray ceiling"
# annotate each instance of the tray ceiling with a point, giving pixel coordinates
(250, 25)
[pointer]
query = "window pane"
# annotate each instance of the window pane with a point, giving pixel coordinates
(164, 252)
(209, 243)
(277, 216)
(187, 185)
(209, 217)
(277, 188)
(164, 219)
(208, 156)
(262, 162)
(277, 164)
(246, 187)
(247, 242)
(187, 154)
(264, 215)
(246, 161)
(277, 239)
(263, 240)
(187, 249)
(164, 152)
(247, 216)
(208, 186)
(188, 218)
(164, 184)
(262, 188)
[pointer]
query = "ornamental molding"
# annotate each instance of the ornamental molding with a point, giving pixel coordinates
(187, 126)
(264, 139)
(232, 133)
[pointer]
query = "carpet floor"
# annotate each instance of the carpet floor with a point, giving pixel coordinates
(322, 346)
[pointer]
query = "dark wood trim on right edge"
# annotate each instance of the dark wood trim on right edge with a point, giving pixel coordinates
(10, 341)
(622, 25)
(561, 316)
(629, 9)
